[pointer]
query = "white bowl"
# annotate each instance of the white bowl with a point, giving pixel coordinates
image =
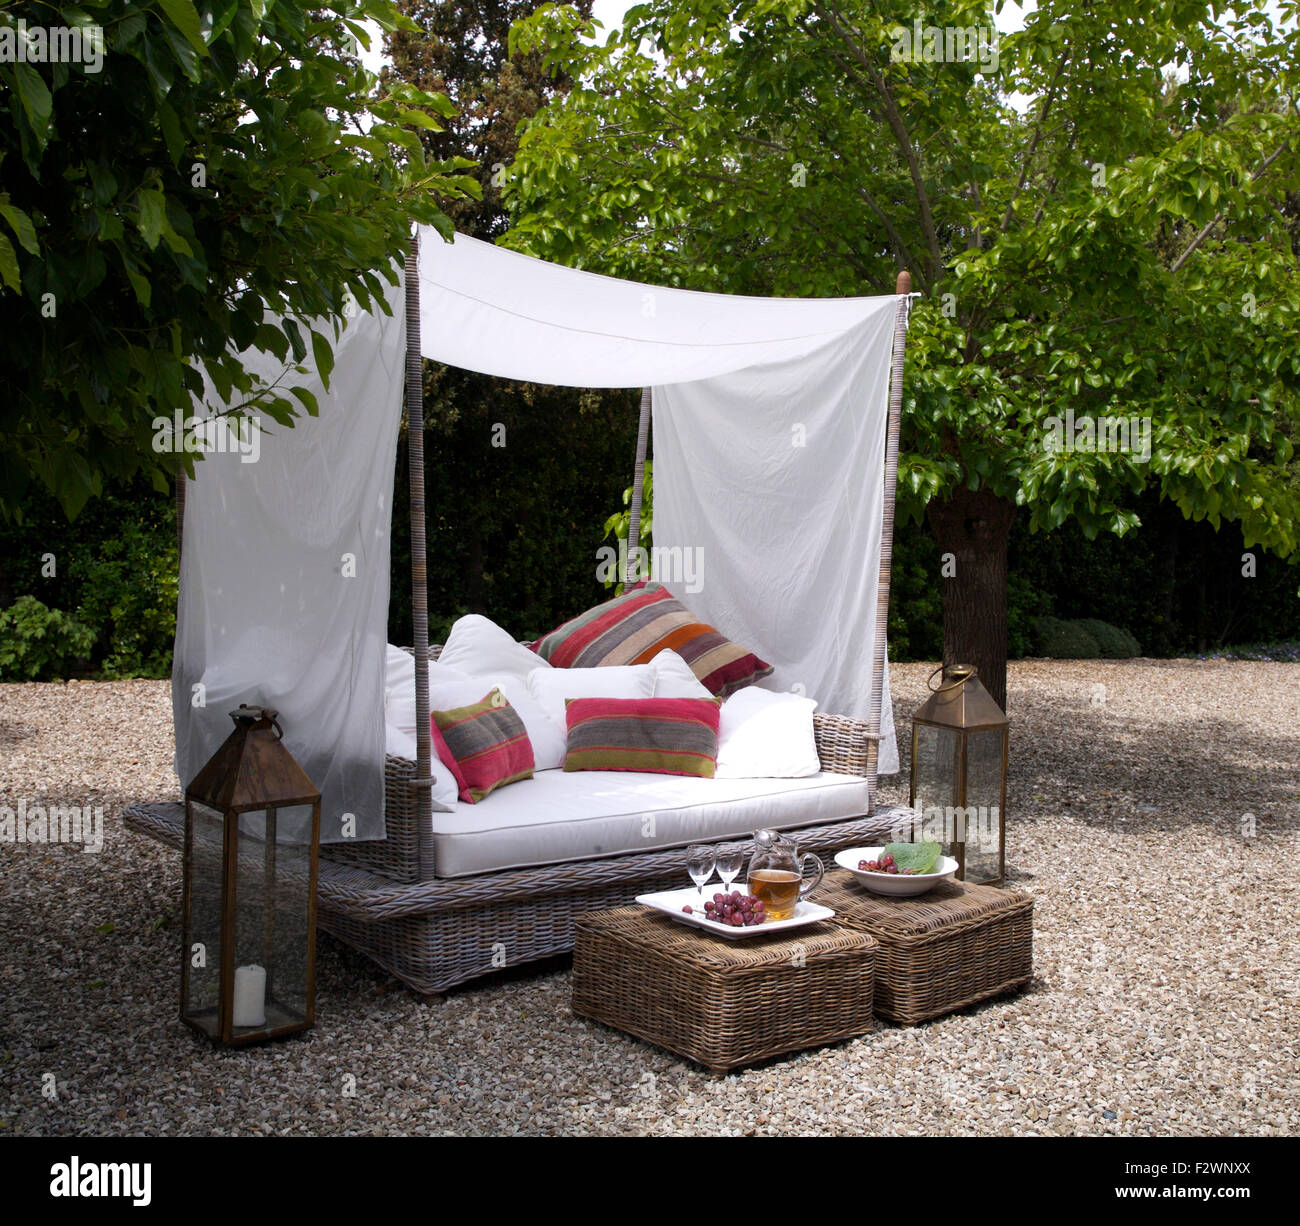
(897, 885)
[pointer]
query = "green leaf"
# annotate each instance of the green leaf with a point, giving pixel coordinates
(294, 333)
(920, 857)
(143, 290)
(186, 19)
(9, 265)
(34, 94)
(308, 400)
(22, 226)
(153, 216)
(324, 355)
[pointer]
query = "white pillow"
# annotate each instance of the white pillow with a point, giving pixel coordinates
(399, 687)
(450, 687)
(481, 648)
(551, 686)
(766, 735)
(674, 678)
(445, 791)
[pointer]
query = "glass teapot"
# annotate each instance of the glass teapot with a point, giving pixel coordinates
(776, 873)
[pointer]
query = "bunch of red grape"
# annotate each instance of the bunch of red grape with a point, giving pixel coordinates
(884, 865)
(736, 910)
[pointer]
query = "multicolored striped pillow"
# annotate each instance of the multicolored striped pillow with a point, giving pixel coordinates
(665, 736)
(484, 745)
(635, 627)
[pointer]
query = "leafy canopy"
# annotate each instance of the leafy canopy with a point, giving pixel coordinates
(1099, 221)
(227, 154)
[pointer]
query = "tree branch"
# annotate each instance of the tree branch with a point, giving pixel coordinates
(1043, 113)
(1210, 225)
(894, 119)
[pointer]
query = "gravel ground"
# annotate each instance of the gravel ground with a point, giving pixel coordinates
(1165, 955)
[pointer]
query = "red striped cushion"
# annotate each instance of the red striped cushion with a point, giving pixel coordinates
(666, 736)
(635, 627)
(484, 745)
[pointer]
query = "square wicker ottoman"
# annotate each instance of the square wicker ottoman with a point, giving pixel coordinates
(718, 1002)
(955, 946)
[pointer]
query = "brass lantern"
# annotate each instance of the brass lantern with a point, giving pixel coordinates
(252, 833)
(959, 773)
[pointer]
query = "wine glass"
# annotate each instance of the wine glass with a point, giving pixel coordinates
(728, 865)
(700, 858)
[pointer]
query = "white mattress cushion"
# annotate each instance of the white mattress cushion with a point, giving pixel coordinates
(562, 816)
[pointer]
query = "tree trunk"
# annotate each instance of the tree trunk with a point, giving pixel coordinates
(974, 527)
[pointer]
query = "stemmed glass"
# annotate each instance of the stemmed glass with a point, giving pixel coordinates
(700, 858)
(728, 864)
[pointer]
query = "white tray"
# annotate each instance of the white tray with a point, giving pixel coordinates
(671, 902)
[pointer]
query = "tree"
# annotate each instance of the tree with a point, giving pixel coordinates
(1094, 209)
(195, 160)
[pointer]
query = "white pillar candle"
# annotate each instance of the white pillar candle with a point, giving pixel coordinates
(250, 996)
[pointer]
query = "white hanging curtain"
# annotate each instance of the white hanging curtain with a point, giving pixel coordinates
(768, 501)
(284, 577)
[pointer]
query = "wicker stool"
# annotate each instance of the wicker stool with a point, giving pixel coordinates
(719, 1002)
(941, 951)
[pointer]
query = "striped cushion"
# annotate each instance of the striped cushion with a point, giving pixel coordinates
(484, 745)
(635, 627)
(666, 736)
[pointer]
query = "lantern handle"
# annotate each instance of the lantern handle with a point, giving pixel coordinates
(952, 685)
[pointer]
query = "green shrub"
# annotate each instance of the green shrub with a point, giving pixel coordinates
(1025, 604)
(128, 595)
(1062, 640)
(40, 644)
(1113, 643)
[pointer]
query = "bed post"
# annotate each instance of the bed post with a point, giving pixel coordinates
(638, 483)
(903, 290)
(419, 557)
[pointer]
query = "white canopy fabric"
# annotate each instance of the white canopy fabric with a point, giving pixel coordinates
(498, 312)
(769, 432)
(284, 576)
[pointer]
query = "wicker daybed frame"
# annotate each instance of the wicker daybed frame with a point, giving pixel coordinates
(384, 897)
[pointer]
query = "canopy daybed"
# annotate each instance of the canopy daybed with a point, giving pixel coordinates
(776, 440)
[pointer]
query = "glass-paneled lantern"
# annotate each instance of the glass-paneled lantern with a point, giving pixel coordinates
(959, 773)
(252, 833)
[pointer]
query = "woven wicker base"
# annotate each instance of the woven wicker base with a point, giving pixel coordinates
(953, 947)
(722, 1003)
(436, 934)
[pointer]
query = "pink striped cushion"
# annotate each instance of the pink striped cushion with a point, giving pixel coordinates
(484, 745)
(665, 736)
(637, 626)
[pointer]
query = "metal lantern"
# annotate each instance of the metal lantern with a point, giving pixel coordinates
(252, 833)
(959, 773)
